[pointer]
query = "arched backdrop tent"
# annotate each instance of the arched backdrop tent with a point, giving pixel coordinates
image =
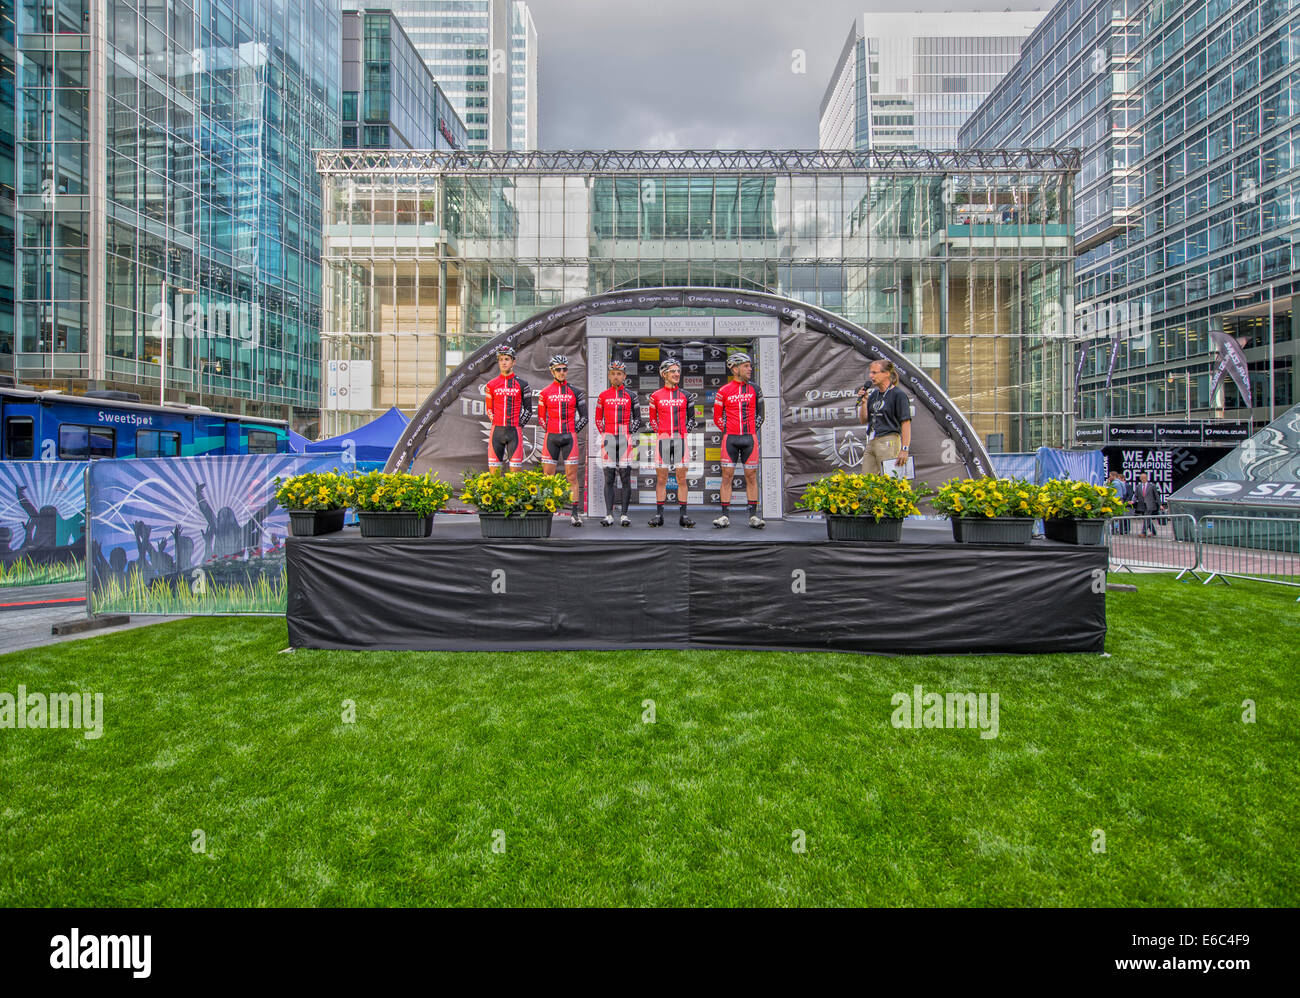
(370, 444)
(809, 366)
(1260, 477)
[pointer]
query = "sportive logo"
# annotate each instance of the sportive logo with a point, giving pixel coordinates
(841, 446)
(1217, 489)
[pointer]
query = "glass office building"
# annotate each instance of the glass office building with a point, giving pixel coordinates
(1186, 202)
(469, 47)
(8, 272)
(954, 258)
(911, 79)
(164, 157)
(523, 77)
(390, 99)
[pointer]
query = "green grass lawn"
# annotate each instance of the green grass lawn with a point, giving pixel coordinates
(206, 727)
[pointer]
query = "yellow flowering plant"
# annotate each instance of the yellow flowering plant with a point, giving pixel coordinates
(989, 498)
(314, 490)
(399, 492)
(881, 497)
(1066, 499)
(516, 492)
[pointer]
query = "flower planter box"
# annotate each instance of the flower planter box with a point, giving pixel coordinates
(384, 524)
(517, 525)
(992, 530)
(1076, 531)
(314, 522)
(863, 528)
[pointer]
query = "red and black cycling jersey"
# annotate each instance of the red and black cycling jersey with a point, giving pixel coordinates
(737, 408)
(561, 408)
(618, 411)
(509, 401)
(672, 412)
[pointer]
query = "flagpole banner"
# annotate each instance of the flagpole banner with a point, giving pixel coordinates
(42, 522)
(191, 535)
(1232, 361)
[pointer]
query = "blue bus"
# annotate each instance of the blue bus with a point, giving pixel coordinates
(52, 426)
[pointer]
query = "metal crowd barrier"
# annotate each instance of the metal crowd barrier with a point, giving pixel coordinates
(1166, 542)
(1263, 549)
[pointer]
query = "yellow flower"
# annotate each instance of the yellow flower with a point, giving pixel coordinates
(550, 505)
(397, 503)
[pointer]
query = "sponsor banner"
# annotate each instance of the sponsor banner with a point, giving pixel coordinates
(746, 325)
(1170, 468)
(713, 367)
(1253, 493)
(191, 535)
(648, 354)
(1226, 430)
(1119, 433)
(681, 326)
(614, 325)
(42, 522)
(693, 353)
(1089, 433)
(1232, 361)
(690, 384)
(1178, 433)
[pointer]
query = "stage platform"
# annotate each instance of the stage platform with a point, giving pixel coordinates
(785, 587)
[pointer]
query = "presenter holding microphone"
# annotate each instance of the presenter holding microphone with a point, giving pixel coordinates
(562, 412)
(618, 419)
(672, 416)
(510, 405)
(738, 415)
(888, 415)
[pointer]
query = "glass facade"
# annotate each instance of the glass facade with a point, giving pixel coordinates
(523, 78)
(1187, 199)
(165, 157)
(390, 100)
(8, 271)
(911, 80)
(468, 46)
(953, 259)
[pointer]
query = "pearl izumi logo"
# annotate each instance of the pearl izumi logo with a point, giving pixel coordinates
(954, 710)
(91, 952)
(57, 710)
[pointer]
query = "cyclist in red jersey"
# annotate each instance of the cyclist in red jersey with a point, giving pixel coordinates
(510, 406)
(618, 418)
(672, 417)
(562, 413)
(738, 415)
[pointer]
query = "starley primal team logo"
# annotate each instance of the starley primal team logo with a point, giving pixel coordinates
(841, 446)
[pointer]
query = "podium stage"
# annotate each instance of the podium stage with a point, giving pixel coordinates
(786, 587)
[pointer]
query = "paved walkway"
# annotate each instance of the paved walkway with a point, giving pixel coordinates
(29, 626)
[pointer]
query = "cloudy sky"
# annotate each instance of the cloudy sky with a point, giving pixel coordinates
(683, 74)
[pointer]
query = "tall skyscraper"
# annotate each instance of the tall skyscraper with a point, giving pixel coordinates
(1187, 211)
(523, 77)
(7, 169)
(469, 47)
(167, 196)
(911, 79)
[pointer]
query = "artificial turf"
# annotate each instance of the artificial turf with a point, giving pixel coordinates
(548, 758)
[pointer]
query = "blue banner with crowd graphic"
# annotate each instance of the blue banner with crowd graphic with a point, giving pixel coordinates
(191, 535)
(42, 522)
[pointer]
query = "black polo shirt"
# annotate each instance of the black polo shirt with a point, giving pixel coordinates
(887, 410)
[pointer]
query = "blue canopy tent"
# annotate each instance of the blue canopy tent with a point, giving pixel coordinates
(370, 444)
(297, 443)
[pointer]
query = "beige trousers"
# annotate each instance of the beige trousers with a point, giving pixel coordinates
(881, 448)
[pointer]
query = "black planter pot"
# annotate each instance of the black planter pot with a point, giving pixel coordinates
(995, 530)
(314, 522)
(395, 524)
(863, 528)
(496, 525)
(1075, 531)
